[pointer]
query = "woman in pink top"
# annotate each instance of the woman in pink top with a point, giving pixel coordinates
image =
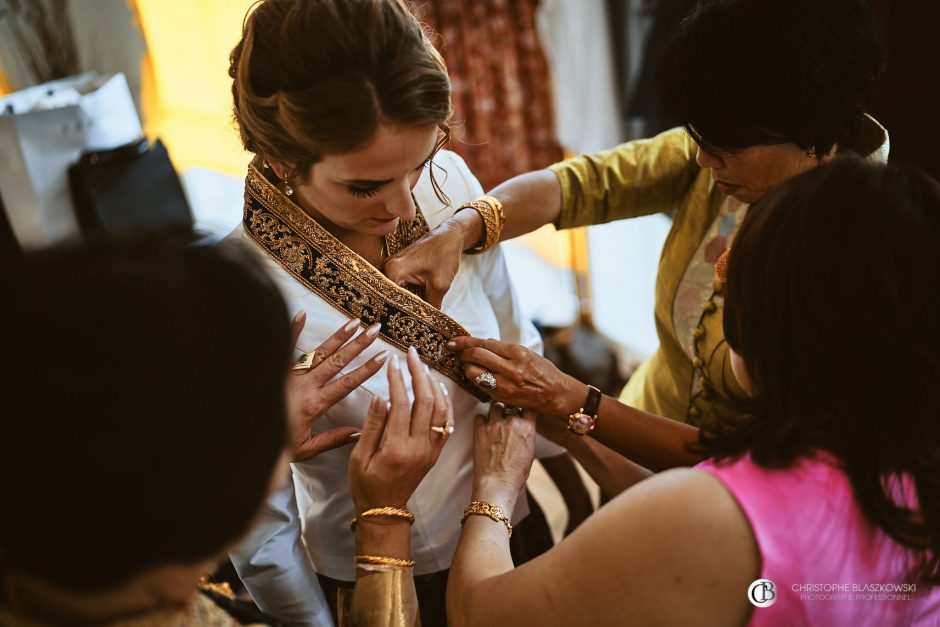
(821, 504)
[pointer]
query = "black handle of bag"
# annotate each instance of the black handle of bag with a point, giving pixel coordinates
(121, 153)
(130, 189)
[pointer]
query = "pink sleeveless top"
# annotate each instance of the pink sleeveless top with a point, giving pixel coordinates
(828, 565)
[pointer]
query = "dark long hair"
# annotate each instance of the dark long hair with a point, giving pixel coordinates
(833, 294)
(747, 72)
(143, 413)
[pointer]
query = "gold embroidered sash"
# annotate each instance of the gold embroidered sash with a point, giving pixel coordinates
(347, 281)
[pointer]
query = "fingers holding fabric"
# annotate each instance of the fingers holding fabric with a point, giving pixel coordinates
(505, 350)
(503, 450)
(521, 379)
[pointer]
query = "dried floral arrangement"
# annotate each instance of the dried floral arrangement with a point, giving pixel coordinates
(42, 33)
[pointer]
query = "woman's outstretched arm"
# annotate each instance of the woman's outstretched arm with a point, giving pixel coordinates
(674, 550)
(528, 380)
(530, 201)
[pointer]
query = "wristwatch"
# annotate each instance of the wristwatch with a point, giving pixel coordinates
(584, 420)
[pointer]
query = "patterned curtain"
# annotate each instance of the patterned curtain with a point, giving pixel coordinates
(502, 90)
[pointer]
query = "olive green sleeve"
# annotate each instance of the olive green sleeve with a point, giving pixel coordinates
(638, 178)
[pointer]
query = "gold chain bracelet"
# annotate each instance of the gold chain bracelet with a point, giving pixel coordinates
(381, 560)
(490, 510)
(391, 512)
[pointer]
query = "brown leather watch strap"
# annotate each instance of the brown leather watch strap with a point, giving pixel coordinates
(593, 401)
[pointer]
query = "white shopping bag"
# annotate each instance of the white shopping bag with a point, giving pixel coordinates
(43, 130)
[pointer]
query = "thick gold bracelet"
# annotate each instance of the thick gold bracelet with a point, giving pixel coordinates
(490, 510)
(491, 210)
(381, 560)
(391, 512)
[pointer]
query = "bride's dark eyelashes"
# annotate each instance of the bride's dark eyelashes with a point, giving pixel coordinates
(363, 192)
(368, 192)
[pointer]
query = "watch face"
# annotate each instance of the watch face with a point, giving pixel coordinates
(581, 423)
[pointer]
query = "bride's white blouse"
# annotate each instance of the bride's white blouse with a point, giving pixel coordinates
(272, 561)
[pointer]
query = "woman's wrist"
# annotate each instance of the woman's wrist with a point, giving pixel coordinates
(469, 224)
(387, 537)
(362, 504)
(498, 492)
(375, 526)
(570, 398)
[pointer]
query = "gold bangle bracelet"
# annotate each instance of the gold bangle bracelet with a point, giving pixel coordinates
(381, 560)
(391, 512)
(490, 510)
(491, 211)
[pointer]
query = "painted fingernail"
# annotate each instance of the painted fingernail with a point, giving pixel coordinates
(388, 405)
(352, 437)
(412, 351)
(352, 324)
(381, 357)
(426, 370)
(374, 329)
(394, 365)
(451, 345)
(300, 315)
(443, 388)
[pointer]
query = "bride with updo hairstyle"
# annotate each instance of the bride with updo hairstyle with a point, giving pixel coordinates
(345, 105)
(321, 78)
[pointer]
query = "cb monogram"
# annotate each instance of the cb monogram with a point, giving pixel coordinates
(762, 593)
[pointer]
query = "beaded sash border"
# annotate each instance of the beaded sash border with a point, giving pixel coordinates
(347, 281)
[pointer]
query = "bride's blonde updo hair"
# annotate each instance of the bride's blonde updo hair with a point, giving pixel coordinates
(318, 77)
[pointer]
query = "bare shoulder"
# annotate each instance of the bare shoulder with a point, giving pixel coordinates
(687, 484)
(675, 550)
(688, 504)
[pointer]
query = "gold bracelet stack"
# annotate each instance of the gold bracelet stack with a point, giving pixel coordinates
(391, 512)
(381, 560)
(491, 210)
(490, 510)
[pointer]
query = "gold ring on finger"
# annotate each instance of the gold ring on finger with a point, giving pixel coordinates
(306, 361)
(445, 430)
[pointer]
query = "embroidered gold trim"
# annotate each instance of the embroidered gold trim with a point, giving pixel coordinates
(347, 281)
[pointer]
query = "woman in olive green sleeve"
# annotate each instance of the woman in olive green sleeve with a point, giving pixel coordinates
(754, 119)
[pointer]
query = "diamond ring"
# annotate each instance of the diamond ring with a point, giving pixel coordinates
(486, 380)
